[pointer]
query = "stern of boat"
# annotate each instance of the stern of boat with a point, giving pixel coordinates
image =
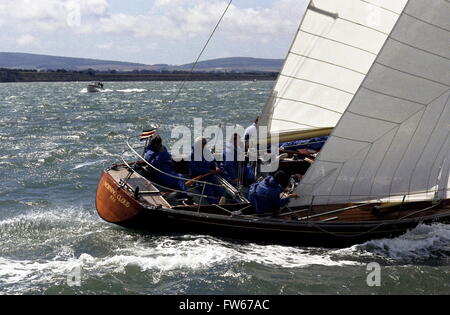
(114, 203)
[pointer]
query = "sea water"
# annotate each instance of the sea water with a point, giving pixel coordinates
(55, 140)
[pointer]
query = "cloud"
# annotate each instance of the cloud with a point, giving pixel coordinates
(178, 19)
(105, 45)
(174, 25)
(27, 40)
(167, 19)
(48, 15)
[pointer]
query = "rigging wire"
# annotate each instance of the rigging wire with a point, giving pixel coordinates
(201, 53)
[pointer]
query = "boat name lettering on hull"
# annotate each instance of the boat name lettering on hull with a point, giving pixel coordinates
(116, 197)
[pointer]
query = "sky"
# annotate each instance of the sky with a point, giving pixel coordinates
(149, 31)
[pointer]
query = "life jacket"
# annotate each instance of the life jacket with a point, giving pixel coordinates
(252, 193)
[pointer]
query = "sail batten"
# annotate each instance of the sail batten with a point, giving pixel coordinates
(338, 42)
(315, 105)
(394, 6)
(392, 142)
(317, 83)
(328, 62)
(379, 4)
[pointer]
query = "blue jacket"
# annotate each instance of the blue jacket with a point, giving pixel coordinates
(163, 162)
(313, 144)
(230, 166)
(265, 196)
(202, 167)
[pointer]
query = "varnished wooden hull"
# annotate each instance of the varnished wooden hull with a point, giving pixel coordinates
(114, 204)
(119, 206)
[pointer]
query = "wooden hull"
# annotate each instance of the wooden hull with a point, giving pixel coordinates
(118, 205)
(114, 204)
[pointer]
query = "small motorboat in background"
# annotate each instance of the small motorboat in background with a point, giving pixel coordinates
(95, 87)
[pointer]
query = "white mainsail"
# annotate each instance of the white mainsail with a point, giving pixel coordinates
(393, 141)
(334, 48)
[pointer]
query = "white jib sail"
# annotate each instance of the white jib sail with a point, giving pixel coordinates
(393, 140)
(334, 48)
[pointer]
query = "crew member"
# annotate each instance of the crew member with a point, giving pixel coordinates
(157, 155)
(234, 160)
(206, 165)
(266, 194)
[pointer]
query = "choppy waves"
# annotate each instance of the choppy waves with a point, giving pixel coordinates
(55, 140)
(426, 242)
(41, 249)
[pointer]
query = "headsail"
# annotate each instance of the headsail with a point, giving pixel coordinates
(334, 48)
(393, 141)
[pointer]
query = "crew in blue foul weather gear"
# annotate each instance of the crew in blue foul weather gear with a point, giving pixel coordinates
(266, 194)
(157, 155)
(234, 159)
(203, 166)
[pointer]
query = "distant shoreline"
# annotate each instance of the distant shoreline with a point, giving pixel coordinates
(11, 76)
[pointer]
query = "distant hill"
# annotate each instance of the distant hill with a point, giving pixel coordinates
(45, 62)
(240, 64)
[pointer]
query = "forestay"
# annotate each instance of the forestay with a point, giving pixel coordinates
(393, 143)
(333, 50)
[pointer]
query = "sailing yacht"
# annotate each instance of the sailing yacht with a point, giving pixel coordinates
(373, 76)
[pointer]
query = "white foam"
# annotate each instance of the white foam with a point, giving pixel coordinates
(88, 164)
(132, 90)
(72, 137)
(58, 230)
(166, 256)
(72, 217)
(423, 242)
(30, 272)
(205, 252)
(101, 151)
(290, 257)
